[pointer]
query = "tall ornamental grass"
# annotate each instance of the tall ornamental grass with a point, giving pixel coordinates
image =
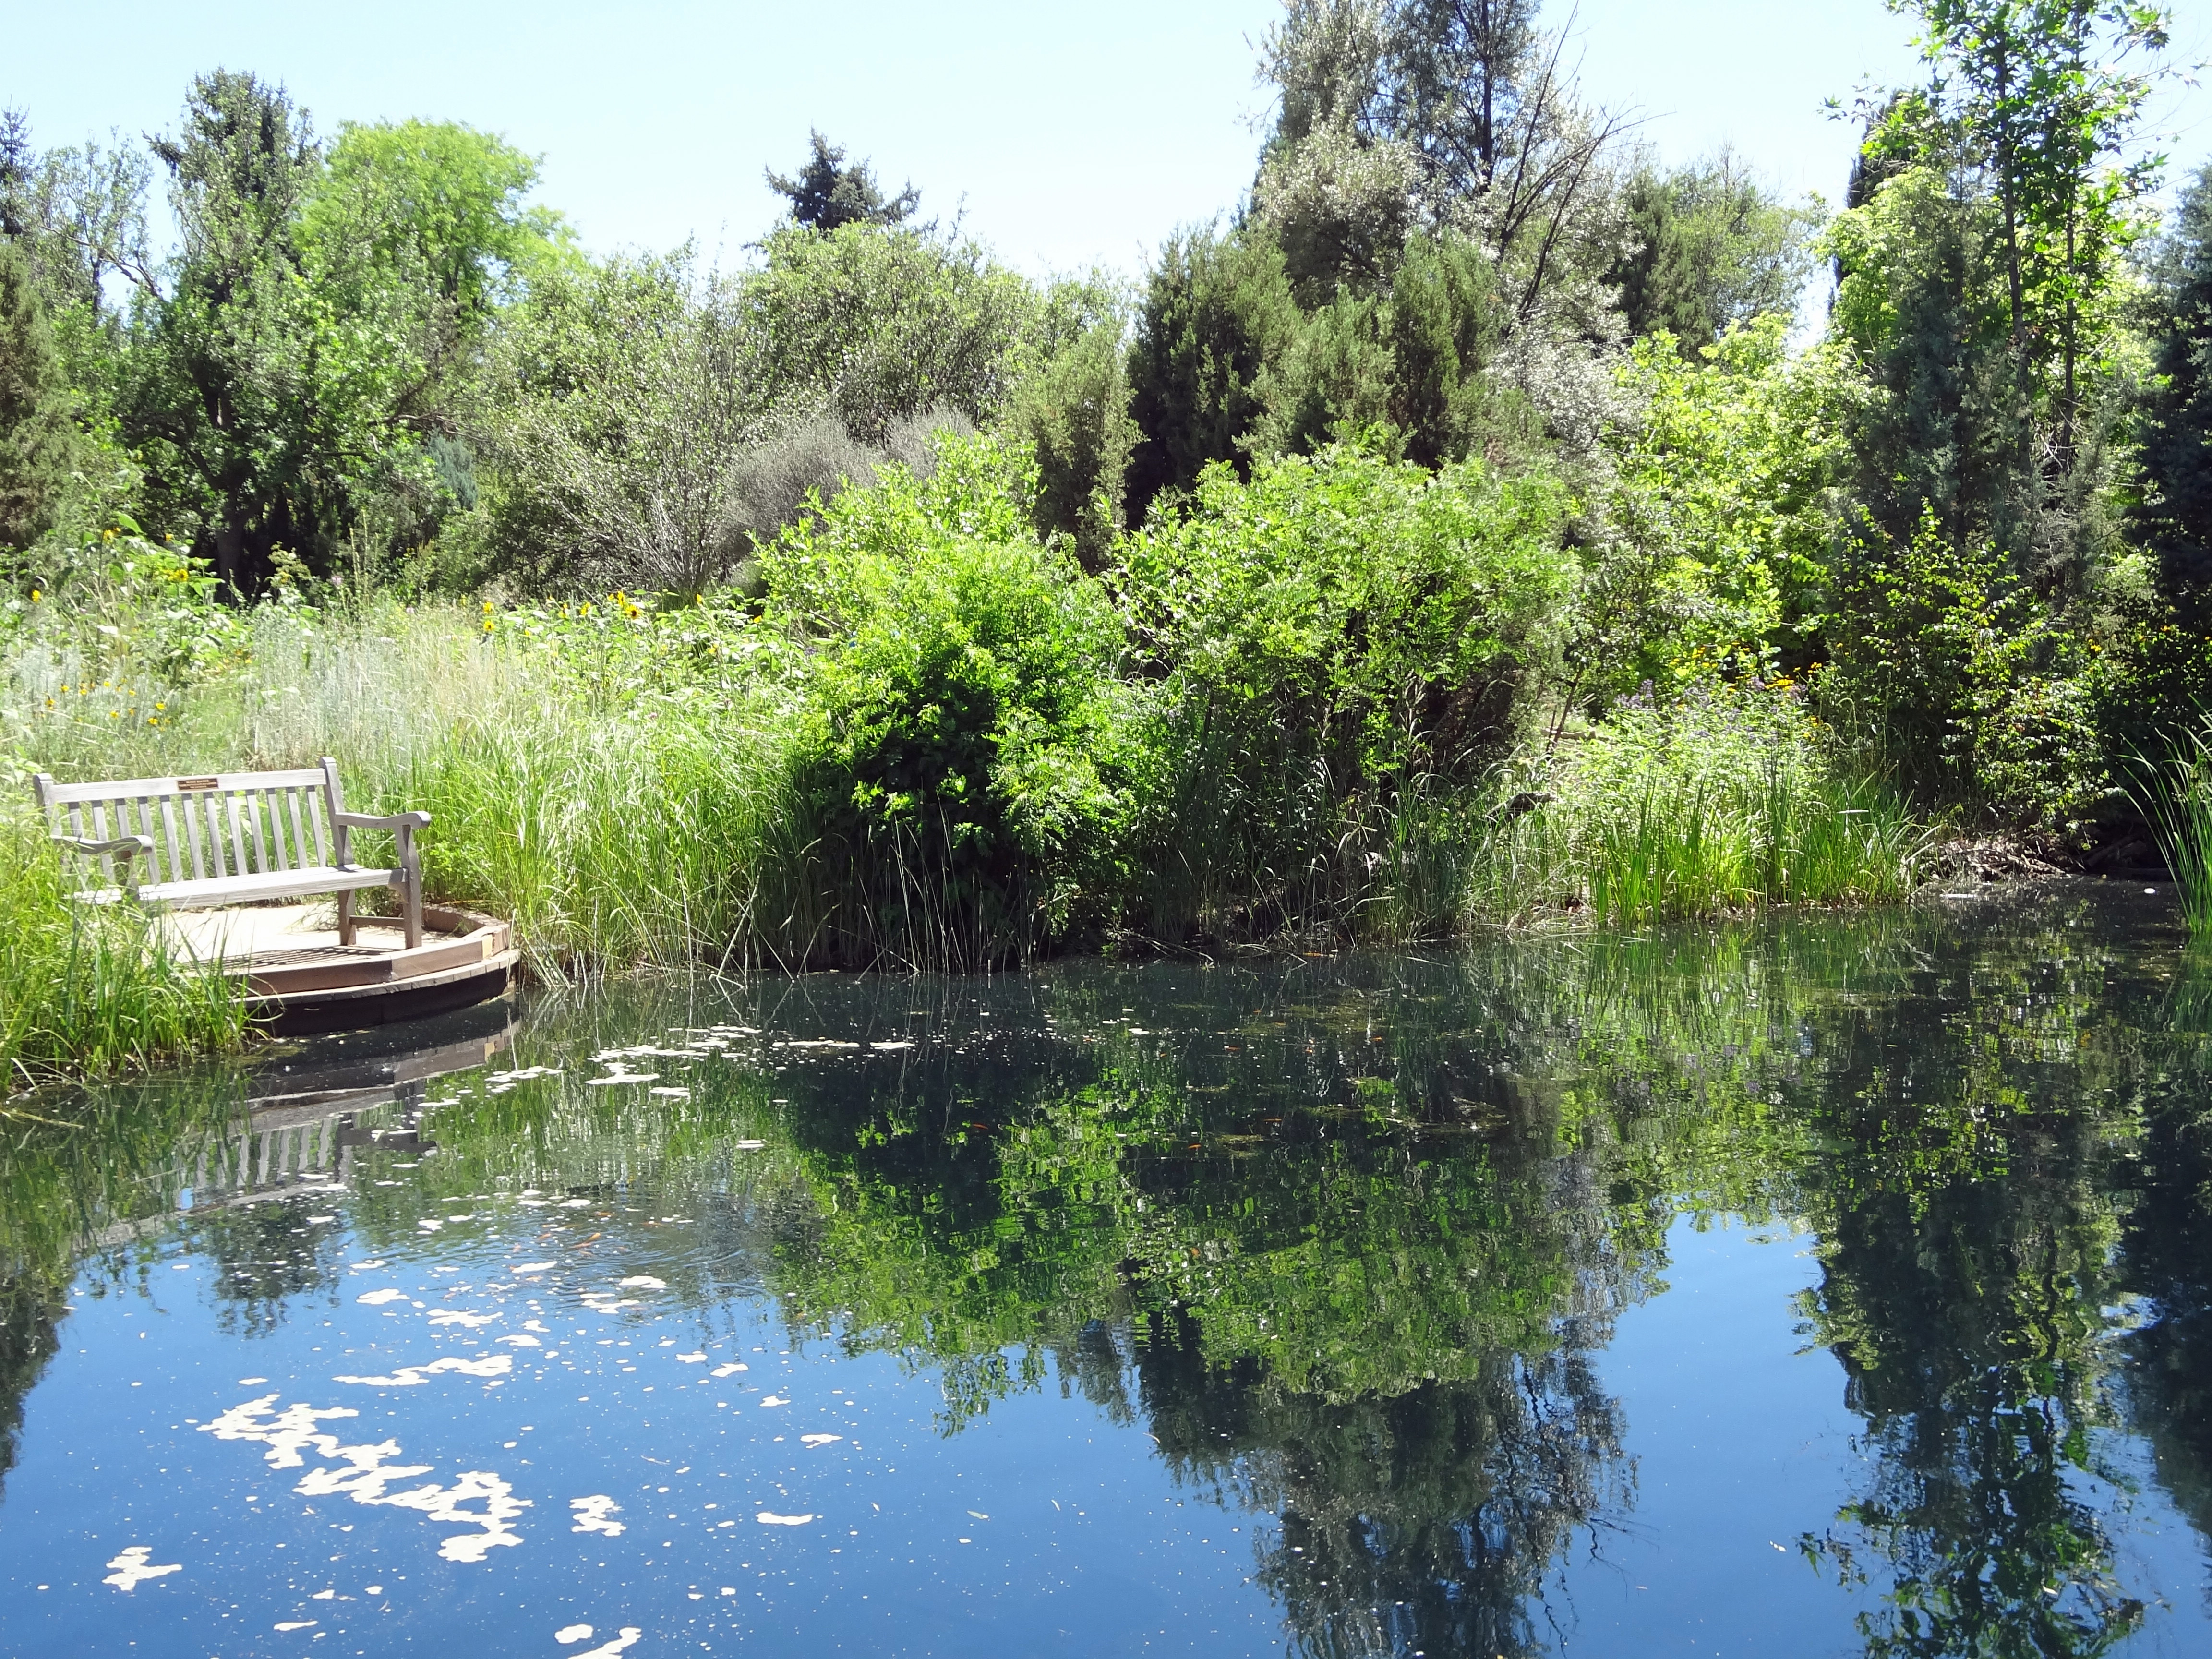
(1720, 801)
(2175, 794)
(609, 780)
(90, 990)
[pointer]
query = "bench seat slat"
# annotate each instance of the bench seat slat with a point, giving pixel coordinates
(225, 783)
(248, 890)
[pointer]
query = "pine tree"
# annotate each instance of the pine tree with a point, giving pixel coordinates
(2177, 450)
(38, 441)
(826, 194)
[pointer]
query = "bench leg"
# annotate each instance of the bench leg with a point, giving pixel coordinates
(410, 892)
(345, 918)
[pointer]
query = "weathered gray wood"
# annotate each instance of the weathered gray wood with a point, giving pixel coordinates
(233, 841)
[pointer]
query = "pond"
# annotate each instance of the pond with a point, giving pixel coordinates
(1817, 1285)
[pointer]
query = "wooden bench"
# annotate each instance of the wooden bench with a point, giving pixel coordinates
(233, 838)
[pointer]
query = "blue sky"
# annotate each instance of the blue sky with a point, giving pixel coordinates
(1074, 132)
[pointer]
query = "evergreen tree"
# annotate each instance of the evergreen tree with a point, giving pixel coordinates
(222, 397)
(38, 441)
(1709, 249)
(1215, 313)
(827, 194)
(2176, 518)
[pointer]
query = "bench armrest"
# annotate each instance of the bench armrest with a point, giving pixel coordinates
(123, 847)
(395, 821)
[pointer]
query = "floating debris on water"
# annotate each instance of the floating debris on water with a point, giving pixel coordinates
(594, 1514)
(408, 1376)
(132, 1571)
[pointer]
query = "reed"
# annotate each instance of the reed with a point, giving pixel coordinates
(91, 990)
(2175, 794)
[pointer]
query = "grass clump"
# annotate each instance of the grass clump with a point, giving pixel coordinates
(91, 990)
(2175, 794)
(1719, 800)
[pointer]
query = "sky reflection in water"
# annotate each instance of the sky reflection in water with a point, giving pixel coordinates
(1828, 1286)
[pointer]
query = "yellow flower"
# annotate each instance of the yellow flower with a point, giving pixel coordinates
(36, 596)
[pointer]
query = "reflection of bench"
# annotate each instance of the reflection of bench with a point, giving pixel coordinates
(235, 838)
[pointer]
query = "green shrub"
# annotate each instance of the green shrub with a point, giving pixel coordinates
(956, 766)
(1339, 636)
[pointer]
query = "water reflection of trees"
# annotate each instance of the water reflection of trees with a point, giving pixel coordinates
(1423, 1521)
(1347, 1237)
(1982, 1146)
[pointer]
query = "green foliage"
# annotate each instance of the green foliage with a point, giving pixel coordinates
(39, 442)
(620, 399)
(2176, 514)
(1710, 250)
(86, 989)
(1328, 639)
(1720, 798)
(1073, 412)
(1228, 365)
(286, 393)
(827, 195)
(958, 763)
(1217, 311)
(878, 324)
(1724, 500)
(1943, 663)
(436, 209)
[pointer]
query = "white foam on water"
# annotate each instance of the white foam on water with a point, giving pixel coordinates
(731, 1371)
(523, 1341)
(132, 1571)
(408, 1376)
(378, 1298)
(568, 1633)
(609, 1649)
(643, 1282)
(690, 1359)
(818, 1439)
(770, 1518)
(595, 1514)
(775, 1400)
(363, 1474)
(531, 1267)
(458, 1317)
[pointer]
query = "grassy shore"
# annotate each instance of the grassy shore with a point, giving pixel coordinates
(937, 744)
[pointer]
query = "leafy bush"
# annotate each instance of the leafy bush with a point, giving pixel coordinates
(1334, 638)
(957, 765)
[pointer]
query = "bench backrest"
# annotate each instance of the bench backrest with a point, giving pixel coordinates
(228, 823)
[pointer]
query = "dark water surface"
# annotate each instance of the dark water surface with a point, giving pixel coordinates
(1820, 1286)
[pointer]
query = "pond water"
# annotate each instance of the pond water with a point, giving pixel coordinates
(1824, 1285)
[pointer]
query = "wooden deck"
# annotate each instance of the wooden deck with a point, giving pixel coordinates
(299, 977)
